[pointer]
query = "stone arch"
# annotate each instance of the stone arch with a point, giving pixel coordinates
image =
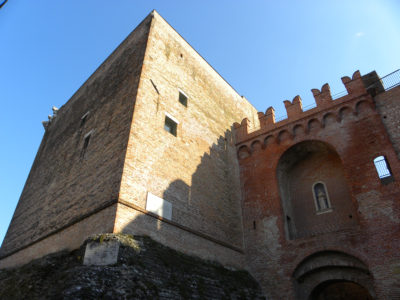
(298, 169)
(243, 152)
(256, 146)
(323, 272)
(329, 119)
(363, 107)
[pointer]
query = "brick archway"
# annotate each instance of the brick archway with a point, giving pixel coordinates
(322, 274)
(340, 290)
(299, 169)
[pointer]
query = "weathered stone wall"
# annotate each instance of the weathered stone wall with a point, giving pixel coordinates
(196, 170)
(144, 269)
(66, 184)
(69, 238)
(351, 126)
(130, 220)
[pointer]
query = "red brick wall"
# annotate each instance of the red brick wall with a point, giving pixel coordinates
(388, 106)
(317, 164)
(354, 129)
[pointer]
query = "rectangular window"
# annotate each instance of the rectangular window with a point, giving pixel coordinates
(183, 99)
(170, 125)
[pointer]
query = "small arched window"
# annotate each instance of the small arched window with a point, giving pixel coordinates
(383, 169)
(321, 197)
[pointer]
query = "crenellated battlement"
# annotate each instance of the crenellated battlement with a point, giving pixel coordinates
(355, 88)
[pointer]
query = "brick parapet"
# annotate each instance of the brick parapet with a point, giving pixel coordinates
(353, 127)
(325, 104)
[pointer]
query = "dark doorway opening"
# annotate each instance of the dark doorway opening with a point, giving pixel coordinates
(340, 290)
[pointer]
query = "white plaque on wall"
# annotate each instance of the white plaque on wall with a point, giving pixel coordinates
(159, 206)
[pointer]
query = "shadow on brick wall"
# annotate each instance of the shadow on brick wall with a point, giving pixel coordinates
(206, 213)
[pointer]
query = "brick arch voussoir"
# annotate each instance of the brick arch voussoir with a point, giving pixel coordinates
(301, 127)
(253, 146)
(314, 120)
(357, 105)
(286, 147)
(363, 258)
(344, 108)
(345, 277)
(281, 136)
(241, 152)
(272, 138)
(335, 115)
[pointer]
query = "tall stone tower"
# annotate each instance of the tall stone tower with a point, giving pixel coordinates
(143, 147)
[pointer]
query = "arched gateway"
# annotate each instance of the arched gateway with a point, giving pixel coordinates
(314, 190)
(333, 275)
(340, 290)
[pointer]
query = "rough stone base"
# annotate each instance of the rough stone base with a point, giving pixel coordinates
(69, 238)
(144, 269)
(101, 254)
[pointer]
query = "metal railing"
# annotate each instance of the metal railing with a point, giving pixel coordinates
(280, 118)
(309, 106)
(305, 108)
(390, 80)
(339, 95)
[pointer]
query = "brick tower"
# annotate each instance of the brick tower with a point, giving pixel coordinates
(143, 147)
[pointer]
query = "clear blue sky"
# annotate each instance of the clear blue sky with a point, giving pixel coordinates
(269, 51)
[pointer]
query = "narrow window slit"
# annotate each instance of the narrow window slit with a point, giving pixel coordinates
(183, 99)
(86, 142)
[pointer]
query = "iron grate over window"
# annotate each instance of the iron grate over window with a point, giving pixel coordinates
(382, 167)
